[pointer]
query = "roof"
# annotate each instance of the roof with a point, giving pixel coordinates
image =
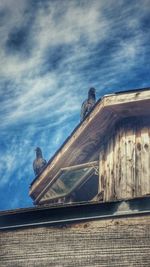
(73, 213)
(88, 135)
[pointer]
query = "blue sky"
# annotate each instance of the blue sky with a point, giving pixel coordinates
(51, 52)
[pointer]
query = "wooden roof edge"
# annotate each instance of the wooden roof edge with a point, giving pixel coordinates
(133, 90)
(105, 101)
(125, 98)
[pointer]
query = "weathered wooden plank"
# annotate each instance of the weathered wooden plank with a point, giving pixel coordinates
(119, 242)
(130, 157)
(116, 164)
(107, 167)
(138, 162)
(133, 159)
(123, 164)
(111, 169)
(102, 182)
(129, 165)
(145, 154)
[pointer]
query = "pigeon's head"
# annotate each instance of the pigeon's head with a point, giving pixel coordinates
(38, 152)
(92, 91)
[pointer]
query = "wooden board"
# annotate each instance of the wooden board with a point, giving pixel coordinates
(117, 242)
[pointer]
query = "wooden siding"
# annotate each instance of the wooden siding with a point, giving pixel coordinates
(113, 242)
(124, 168)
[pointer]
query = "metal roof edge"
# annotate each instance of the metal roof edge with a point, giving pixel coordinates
(62, 215)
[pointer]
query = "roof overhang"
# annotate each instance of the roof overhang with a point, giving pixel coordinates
(88, 135)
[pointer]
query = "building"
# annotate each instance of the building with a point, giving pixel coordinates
(107, 157)
(93, 197)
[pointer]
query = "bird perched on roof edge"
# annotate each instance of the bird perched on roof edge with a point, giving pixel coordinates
(39, 163)
(88, 104)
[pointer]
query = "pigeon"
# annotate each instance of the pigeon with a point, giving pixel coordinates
(88, 104)
(39, 163)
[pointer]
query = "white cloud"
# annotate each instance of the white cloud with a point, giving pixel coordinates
(48, 30)
(75, 22)
(33, 91)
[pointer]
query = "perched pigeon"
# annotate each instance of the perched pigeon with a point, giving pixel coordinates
(88, 104)
(39, 162)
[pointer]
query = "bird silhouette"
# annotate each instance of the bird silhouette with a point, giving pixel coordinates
(39, 163)
(88, 104)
